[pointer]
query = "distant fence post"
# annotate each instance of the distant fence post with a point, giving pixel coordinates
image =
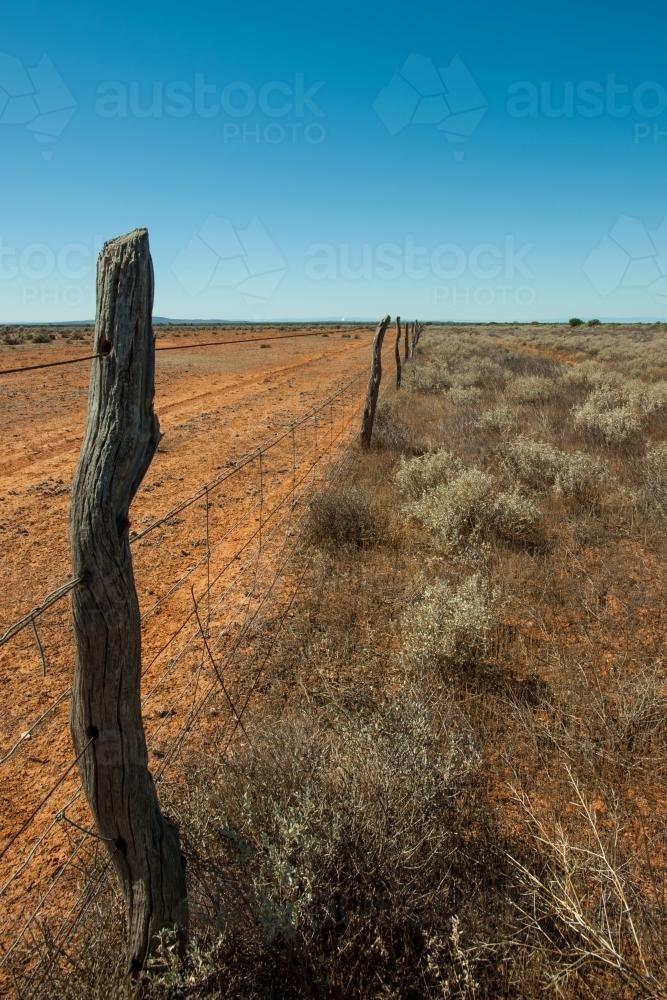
(122, 433)
(397, 352)
(406, 350)
(374, 384)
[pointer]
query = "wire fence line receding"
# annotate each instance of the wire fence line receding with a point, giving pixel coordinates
(236, 535)
(80, 359)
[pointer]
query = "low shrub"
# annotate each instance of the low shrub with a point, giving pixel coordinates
(654, 480)
(343, 516)
(468, 510)
(345, 844)
(389, 432)
(531, 389)
(540, 465)
(415, 476)
(458, 511)
(529, 364)
(426, 377)
(516, 518)
(450, 625)
(497, 421)
(460, 395)
(615, 409)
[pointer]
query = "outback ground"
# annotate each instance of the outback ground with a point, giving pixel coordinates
(215, 405)
(452, 782)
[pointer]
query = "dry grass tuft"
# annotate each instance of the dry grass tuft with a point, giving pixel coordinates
(344, 516)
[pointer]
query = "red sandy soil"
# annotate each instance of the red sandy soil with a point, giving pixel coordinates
(215, 405)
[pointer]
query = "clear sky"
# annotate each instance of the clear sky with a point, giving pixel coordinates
(306, 160)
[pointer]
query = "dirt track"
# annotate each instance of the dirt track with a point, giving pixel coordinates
(215, 405)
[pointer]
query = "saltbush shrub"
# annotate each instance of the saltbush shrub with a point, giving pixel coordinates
(450, 625)
(415, 476)
(468, 510)
(540, 465)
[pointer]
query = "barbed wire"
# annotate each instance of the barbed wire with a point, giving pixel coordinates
(49, 364)
(26, 823)
(30, 616)
(28, 732)
(268, 529)
(243, 631)
(65, 589)
(166, 347)
(63, 936)
(176, 743)
(207, 487)
(267, 518)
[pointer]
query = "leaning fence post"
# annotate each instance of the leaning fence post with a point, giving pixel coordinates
(397, 352)
(374, 384)
(121, 436)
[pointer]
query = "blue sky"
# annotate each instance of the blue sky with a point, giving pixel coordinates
(440, 161)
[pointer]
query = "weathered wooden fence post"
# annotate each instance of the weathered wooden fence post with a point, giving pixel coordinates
(397, 352)
(374, 384)
(121, 436)
(406, 350)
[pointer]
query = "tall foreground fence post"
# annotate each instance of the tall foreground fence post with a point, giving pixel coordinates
(374, 384)
(397, 352)
(122, 433)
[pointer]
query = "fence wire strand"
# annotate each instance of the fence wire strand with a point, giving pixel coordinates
(278, 535)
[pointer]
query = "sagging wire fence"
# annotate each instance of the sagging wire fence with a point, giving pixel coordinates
(226, 559)
(237, 528)
(251, 526)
